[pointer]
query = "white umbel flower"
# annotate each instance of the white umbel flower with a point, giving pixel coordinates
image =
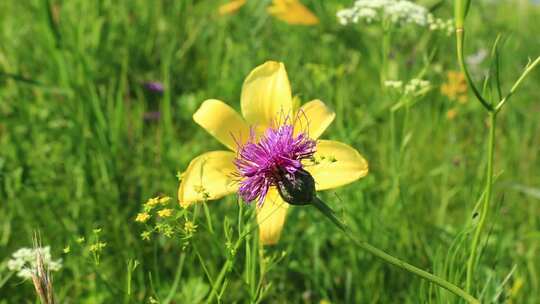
(399, 12)
(394, 84)
(413, 87)
(24, 262)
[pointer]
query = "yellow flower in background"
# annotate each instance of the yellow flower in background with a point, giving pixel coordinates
(142, 217)
(265, 99)
(515, 290)
(290, 11)
(152, 202)
(455, 87)
(165, 212)
(190, 227)
(164, 200)
(145, 235)
(231, 7)
(451, 114)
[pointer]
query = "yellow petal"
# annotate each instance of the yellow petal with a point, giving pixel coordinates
(223, 122)
(337, 164)
(292, 12)
(231, 7)
(314, 117)
(208, 177)
(271, 217)
(266, 95)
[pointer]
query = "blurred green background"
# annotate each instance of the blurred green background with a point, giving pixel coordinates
(83, 143)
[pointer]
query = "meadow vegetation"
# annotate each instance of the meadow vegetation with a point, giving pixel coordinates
(96, 128)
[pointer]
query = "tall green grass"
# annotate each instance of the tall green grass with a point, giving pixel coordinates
(77, 154)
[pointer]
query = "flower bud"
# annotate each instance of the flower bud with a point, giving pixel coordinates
(298, 189)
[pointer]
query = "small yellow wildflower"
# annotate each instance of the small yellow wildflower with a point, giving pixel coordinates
(451, 114)
(455, 87)
(67, 249)
(97, 247)
(164, 229)
(146, 235)
(80, 240)
(142, 217)
(190, 227)
(231, 7)
(164, 200)
(516, 287)
(152, 201)
(165, 212)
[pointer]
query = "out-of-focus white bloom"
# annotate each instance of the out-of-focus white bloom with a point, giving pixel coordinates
(394, 84)
(438, 24)
(474, 62)
(416, 85)
(413, 87)
(396, 11)
(477, 58)
(24, 261)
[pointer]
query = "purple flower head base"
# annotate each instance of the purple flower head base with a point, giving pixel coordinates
(276, 156)
(154, 86)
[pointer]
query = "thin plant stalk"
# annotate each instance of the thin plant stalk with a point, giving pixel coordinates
(460, 41)
(461, 9)
(471, 263)
(329, 213)
(176, 282)
(460, 14)
(385, 53)
(518, 82)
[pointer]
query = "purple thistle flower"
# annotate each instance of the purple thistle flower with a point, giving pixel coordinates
(154, 86)
(276, 156)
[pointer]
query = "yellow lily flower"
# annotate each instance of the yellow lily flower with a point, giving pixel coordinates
(292, 12)
(231, 7)
(266, 97)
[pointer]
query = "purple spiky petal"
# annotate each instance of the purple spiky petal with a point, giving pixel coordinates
(278, 154)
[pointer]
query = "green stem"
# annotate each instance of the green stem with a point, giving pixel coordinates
(460, 41)
(329, 213)
(516, 85)
(227, 266)
(176, 282)
(385, 54)
(471, 263)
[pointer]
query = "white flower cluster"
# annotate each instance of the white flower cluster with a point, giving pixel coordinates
(414, 86)
(394, 84)
(477, 58)
(396, 11)
(438, 24)
(24, 261)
